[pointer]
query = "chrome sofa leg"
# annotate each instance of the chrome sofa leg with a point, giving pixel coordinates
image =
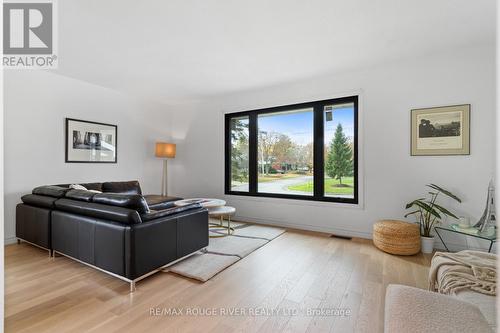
(132, 286)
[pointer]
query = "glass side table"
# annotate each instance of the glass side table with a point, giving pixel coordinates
(492, 239)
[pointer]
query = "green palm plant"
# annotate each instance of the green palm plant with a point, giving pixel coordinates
(428, 212)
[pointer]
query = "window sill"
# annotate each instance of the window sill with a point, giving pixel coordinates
(295, 201)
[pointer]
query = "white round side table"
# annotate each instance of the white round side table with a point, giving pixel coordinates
(222, 212)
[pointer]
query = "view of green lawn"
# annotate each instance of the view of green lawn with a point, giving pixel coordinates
(330, 188)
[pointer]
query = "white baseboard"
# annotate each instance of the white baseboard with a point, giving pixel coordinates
(329, 230)
(10, 240)
(349, 233)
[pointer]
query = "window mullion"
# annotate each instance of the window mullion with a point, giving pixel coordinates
(318, 163)
(252, 159)
(356, 143)
(227, 152)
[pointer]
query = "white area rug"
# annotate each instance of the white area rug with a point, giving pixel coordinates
(257, 231)
(234, 245)
(202, 266)
(222, 252)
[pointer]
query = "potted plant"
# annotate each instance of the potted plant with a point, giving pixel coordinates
(428, 213)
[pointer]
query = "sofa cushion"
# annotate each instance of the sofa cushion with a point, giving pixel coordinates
(100, 211)
(38, 200)
(131, 201)
(51, 191)
(82, 195)
(129, 187)
(160, 202)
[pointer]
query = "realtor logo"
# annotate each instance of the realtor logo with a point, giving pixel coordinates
(28, 35)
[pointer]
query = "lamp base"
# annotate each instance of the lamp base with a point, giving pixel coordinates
(164, 179)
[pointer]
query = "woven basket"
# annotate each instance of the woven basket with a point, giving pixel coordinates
(397, 237)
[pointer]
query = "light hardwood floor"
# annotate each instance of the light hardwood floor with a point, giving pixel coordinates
(295, 272)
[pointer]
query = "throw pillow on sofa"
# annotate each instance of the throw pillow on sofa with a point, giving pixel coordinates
(131, 201)
(78, 187)
(83, 188)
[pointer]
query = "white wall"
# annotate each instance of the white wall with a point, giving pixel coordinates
(391, 176)
(36, 104)
(2, 220)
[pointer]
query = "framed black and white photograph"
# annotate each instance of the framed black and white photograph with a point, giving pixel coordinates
(90, 142)
(441, 130)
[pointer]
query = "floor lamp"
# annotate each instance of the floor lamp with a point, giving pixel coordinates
(165, 151)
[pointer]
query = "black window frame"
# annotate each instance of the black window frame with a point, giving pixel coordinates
(318, 149)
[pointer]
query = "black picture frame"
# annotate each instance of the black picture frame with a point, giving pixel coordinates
(67, 157)
(463, 109)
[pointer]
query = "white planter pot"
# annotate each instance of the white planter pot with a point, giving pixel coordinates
(427, 244)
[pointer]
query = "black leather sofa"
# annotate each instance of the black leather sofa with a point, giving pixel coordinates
(118, 231)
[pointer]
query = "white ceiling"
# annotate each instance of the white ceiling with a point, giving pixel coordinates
(179, 50)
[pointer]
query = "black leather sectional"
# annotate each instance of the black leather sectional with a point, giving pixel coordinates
(119, 231)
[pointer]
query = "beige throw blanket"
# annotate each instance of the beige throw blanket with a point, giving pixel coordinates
(463, 270)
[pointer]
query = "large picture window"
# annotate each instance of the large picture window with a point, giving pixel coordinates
(303, 151)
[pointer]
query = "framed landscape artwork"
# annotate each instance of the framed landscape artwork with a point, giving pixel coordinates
(441, 130)
(90, 142)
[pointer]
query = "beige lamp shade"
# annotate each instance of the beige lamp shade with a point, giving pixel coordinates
(165, 150)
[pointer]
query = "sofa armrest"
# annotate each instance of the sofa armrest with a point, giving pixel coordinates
(33, 225)
(153, 245)
(39, 200)
(101, 243)
(192, 231)
(158, 242)
(156, 214)
(160, 202)
(50, 191)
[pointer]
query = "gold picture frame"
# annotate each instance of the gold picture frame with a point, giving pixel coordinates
(441, 130)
